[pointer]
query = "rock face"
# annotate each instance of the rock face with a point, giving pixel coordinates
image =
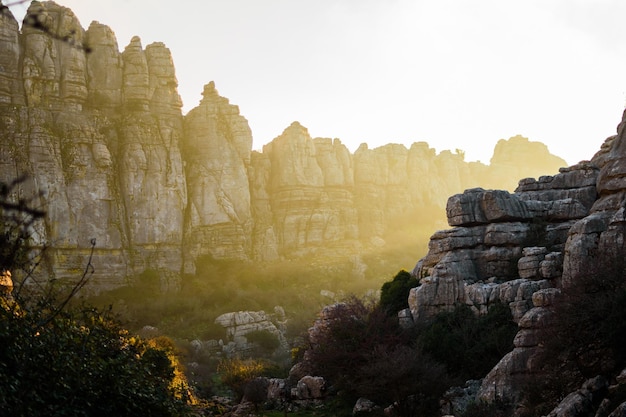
(504, 246)
(523, 248)
(102, 138)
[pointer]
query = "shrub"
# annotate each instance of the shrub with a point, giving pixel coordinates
(81, 362)
(394, 294)
(236, 373)
(267, 341)
(363, 352)
(469, 345)
(497, 408)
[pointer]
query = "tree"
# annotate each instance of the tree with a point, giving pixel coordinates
(413, 382)
(81, 363)
(585, 333)
(394, 294)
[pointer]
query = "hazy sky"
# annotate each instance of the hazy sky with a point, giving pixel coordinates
(454, 73)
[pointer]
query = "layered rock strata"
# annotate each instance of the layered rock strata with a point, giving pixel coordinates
(107, 152)
(523, 249)
(504, 246)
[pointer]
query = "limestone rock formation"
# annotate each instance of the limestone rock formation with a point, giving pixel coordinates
(239, 324)
(501, 237)
(217, 152)
(523, 249)
(101, 137)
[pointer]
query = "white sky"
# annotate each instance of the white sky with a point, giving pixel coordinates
(454, 73)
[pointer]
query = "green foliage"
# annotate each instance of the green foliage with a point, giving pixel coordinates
(394, 294)
(469, 345)
(149, 282)
(81, 363)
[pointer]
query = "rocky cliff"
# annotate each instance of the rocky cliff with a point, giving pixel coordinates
(524, 248)
(101, 137)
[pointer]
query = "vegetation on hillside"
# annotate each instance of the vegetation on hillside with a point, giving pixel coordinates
(364, 352)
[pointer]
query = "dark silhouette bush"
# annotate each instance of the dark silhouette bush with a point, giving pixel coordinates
(469, 345)
(81, 363)
(363, 352)
(266, 341)
(394, 294)
(236, 373)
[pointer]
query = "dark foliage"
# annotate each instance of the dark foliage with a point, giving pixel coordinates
(266, 341)
(237, 373)
(587, 333)
(363, 352)
(497, 408)
(80, 363)
(394, 294)
(469, 345)
(255, 391)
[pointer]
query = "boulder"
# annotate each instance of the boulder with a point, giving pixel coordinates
(310, 388)
(478, 206)
(364, 406)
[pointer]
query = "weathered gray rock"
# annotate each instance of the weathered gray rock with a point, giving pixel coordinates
(363, 405)
(276, 389)
(9, 58)
(456, 400)
(104, 68)
(239, 324)
(528, 265)
(581, 403)
(217, 151)
(478, 206)
(620, 411)
(310, 388)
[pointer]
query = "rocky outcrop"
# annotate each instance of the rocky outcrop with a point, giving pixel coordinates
(241, 323)
(504, 246)
(107, 152)
(523, 248)
(217, 152)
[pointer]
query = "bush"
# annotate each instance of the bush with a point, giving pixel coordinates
(497, 408)
(394, 294)
(469, 345)
(267, 341)
(363, 352)
(81, 363)
(236, 373)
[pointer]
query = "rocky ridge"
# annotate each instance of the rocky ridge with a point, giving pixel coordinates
(102, 138)
(524, 248)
